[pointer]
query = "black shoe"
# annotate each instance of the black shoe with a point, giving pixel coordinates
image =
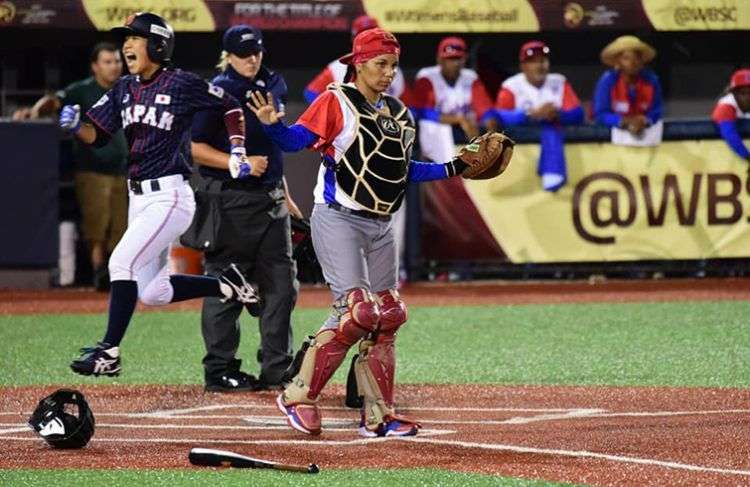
(234, 381)
(103, 359)
(242, 291)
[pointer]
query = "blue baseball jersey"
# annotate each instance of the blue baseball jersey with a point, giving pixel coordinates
(208, 127)
(156, 116)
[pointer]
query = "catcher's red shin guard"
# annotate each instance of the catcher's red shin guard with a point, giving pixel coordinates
(361, 318)
(328, 358)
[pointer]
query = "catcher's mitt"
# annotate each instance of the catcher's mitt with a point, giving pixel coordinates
(487, 155)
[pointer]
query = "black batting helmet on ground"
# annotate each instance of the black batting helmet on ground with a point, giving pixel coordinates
(63, 419)
(159, 33)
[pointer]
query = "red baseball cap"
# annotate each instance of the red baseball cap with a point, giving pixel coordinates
(363, 22)
(531, 49)
(371, 43)
(451, 47)
(740, 78)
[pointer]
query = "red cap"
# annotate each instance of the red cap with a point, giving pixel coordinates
(363, 22)
(740, 78)
(451, 47)
(371, 43)
(531, 49)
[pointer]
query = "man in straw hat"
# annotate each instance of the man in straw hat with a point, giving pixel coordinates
(733, 105)
(629, 95)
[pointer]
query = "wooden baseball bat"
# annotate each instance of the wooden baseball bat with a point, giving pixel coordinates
(208, 457)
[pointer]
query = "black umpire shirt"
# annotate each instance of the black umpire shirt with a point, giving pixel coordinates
(208, 125)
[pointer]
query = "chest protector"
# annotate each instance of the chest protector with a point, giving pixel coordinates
(373, 169)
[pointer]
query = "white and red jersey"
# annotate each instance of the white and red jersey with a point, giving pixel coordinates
(335, 72)
(517, 93)
(727, 110)
(467, 96)
(332, 119)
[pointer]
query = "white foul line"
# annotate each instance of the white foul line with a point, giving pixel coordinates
(577, 454)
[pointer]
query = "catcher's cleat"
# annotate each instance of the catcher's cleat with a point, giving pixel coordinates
(102, 359)
(302, 417)
(392, 426)
(240, 290)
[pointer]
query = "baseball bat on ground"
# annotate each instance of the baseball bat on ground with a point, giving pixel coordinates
(208, 457)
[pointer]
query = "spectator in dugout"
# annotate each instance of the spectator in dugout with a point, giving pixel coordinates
(537, 97)
(450, 102)
(733, 105)
(335, 71)
(628, 96)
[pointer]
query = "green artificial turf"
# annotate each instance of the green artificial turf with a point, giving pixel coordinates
(327, 478)
(676, 344)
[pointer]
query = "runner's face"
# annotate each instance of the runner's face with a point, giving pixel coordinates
(247, 66)
(136, 55)
(378, 72)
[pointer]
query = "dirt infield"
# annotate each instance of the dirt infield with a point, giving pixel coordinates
(431, 294)
(593, 435)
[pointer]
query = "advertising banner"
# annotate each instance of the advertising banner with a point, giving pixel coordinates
(452, 16)
(680, 200)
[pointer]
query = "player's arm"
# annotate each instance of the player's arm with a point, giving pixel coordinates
(571, 111)
(420, 172)
(725, 118)
(654, 113)
(603, 112)
(317, 126)
(93, 134)
(46, 105)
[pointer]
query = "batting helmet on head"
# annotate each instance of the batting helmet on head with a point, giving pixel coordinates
(63, 419)
(159, 33)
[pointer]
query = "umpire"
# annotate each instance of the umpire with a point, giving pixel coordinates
(244, 221)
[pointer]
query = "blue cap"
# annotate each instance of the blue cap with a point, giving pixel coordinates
(243, 40)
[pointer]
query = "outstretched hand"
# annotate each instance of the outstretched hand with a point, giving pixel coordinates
(264, 108)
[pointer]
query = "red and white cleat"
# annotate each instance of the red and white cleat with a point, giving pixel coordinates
(302, 417)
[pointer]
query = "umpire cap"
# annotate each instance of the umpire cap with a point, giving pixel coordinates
(243, 40)
(53, 422)
(159, 33)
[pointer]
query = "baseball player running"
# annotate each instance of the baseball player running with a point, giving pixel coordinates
(154, 105)
(365, 138)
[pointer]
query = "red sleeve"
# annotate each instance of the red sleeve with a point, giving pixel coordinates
(423, 94)
(506, 100)
(570, 99)
(480, 100)
(319, 83)
(323, 118)
(723, 113)
(407, 97)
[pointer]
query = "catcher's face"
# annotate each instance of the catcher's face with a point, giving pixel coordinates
(377, 74)
(536, 69)
(247, 66)
(742, 97)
